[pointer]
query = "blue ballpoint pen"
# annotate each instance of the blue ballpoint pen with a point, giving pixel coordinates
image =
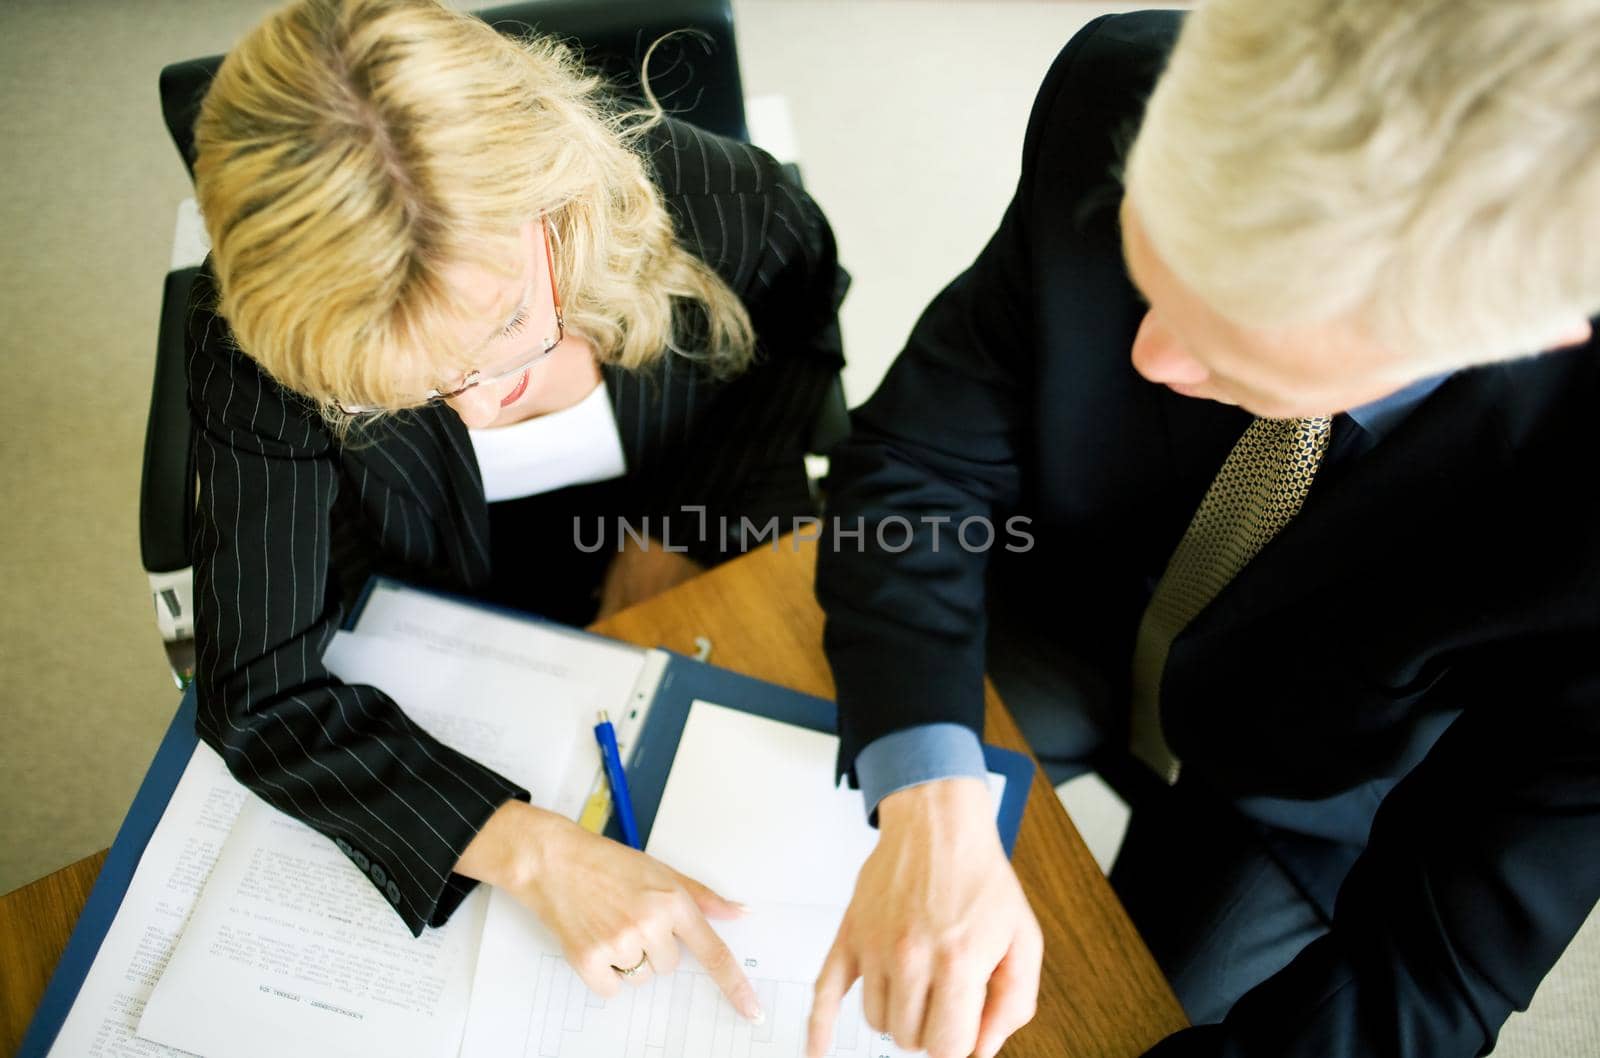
(621, 803)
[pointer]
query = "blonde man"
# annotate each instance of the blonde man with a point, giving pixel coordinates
(1315, 562)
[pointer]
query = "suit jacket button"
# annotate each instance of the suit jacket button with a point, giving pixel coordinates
(379, 877)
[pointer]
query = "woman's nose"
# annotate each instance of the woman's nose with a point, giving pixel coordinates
(478, 407)
(1160, 357)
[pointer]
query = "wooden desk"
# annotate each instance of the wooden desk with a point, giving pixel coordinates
(1102, 995)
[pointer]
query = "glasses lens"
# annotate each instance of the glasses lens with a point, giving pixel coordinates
(476, 378)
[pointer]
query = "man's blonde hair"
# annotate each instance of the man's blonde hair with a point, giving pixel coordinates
(349, 151)
(1429, 169)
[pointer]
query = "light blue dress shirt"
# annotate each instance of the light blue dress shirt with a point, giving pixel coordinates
(929, 752)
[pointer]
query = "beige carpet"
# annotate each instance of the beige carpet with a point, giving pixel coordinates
(91, 183)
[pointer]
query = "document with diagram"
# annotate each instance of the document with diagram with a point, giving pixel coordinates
(550, 1014)
(750, 809)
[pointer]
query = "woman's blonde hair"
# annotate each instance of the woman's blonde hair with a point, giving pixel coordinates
(349, 151)
(1429, 169)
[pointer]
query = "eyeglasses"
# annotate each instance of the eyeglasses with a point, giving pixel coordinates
(478, 378)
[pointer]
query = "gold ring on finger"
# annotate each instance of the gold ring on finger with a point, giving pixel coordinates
(634, 969)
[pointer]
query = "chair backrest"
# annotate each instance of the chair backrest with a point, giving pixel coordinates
(695, 75)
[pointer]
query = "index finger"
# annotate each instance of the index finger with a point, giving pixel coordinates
(704, 944)
(839, 972)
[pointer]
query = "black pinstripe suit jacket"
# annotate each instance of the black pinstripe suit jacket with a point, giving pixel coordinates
(285, 509)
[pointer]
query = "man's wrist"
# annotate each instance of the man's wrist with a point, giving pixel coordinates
(917, 755)
(951, 798)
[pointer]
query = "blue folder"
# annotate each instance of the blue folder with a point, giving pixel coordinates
(115, 876)
(684, 680)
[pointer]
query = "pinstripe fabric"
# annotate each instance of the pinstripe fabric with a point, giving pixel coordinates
(289, 521)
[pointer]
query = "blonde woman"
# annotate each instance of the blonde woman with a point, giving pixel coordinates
(456, 300)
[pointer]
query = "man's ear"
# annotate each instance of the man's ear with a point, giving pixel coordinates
(1578, 332)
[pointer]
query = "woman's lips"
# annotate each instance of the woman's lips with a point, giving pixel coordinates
(516, 393)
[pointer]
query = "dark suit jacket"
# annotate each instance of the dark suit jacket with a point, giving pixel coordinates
(1453, 571)
(286, 511)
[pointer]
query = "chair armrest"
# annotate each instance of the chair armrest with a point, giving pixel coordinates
(166, 492)
(167, 488)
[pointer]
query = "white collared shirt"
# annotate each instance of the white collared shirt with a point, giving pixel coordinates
(573, 446)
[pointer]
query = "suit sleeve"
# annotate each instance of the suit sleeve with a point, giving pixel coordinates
(1480, 868)
(343, 759)
(937, 446)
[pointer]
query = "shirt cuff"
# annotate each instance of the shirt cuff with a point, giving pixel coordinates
(916, 755)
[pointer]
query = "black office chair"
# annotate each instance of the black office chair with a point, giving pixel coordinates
(695, 75)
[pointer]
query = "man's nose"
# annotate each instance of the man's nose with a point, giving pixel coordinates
(1160, 357)
(477, 407)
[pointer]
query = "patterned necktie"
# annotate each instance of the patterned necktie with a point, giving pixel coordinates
(1259, 489)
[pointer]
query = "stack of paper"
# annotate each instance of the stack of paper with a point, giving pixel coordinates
(290, 946)
(287, 948)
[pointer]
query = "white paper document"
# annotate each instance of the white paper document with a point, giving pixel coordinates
(750, 809)
(544, 1011)
(292, 950)
(528, 724)
(445, 628)
(605, 673)
(175, 865)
